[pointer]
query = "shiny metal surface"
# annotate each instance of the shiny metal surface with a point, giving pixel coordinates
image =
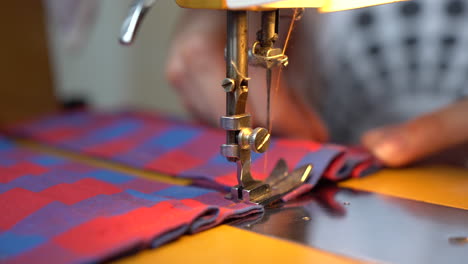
(370, 226)
(279, 183)
(237, 121)
(133, 21)
(241, 138)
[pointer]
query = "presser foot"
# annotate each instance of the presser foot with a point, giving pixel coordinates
(279, 183)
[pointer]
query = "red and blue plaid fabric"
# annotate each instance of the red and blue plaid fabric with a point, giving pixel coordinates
(187, 150)
(57, 211)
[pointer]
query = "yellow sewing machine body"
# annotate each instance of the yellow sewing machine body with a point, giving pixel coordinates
(322, 5)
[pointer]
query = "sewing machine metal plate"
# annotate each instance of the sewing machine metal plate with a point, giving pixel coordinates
(369, 226)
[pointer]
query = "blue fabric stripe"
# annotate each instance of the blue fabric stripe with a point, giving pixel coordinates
(48, 160)
(150, 197)
(110, 176)
(174, 137)
(182, 192)
(12, 244)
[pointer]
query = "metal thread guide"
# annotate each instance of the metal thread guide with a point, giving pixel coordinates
(241, 138)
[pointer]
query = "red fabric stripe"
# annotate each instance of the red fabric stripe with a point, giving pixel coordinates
(334, 167)
(16, 204)
(229, 179)
(70, 193)
(357, 172)
(108, 232)
(174, 162)
(296, 143)
(58, 134)
(10, 173)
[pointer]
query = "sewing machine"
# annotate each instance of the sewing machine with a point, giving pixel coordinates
(241, 138)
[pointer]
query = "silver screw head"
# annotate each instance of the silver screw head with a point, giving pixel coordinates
(228, 84)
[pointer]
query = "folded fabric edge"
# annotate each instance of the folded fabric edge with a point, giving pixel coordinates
(206, 220)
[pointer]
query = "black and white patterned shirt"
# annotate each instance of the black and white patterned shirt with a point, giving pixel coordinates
(389, 63)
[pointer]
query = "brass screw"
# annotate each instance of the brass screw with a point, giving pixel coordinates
(259, 140)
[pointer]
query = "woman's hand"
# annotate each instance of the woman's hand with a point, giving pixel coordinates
(401, 144)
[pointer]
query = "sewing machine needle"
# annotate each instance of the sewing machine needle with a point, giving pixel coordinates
(268, 87)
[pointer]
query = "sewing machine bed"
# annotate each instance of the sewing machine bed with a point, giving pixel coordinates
(380, 218)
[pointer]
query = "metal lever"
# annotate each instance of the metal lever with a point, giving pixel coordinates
(132, 23)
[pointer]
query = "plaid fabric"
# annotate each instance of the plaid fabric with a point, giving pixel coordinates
(187, 150)
(57, 211)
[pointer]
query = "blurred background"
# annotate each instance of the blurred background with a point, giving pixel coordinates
(59, 52)
(394, 61)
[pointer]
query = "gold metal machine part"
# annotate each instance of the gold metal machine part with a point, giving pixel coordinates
(241, 138)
